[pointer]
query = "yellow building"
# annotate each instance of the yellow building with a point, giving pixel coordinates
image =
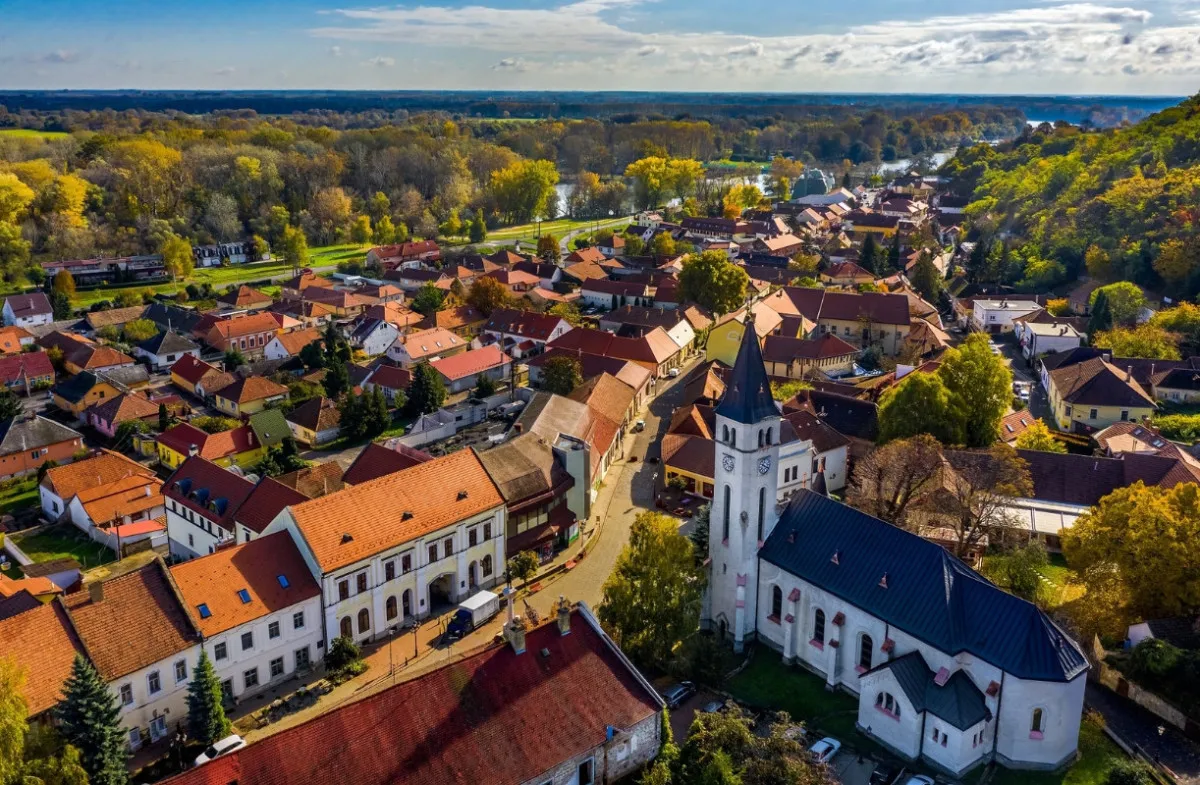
(249, 396)
(238, 447)
(82, 390)
(795, 357)
(1093, 395)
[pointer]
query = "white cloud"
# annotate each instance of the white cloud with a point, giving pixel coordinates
(648, 49)
(335, 51)
(225, 71)
(510, 64)
(752, 49)
(60, 57)
(380, 62)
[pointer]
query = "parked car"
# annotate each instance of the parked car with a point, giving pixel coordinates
(673, 372)
(885, 774)
(824, 750)
(676, 694)
(713, 707)
(919, 779)
(219, 748)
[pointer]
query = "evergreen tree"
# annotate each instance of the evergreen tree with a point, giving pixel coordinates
(977, 261)
(10, 404)
(893, 259)
(1101, 319)
(869, 255)
(90, 720)
(375, 414)
(337, 380)
(478, 230)
(485, 386)
(353, 423)
(206, 715)
(427, 392)
(61, 303)
(927, 280)
(164, 417)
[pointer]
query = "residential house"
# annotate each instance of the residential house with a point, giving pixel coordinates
(303, 313)
(237, 447)
(1179, 384)
(379, 460)
(425, 345)
(121, 513)
(93, 272)
(866, 319)
(344, 304)
(613, 247)
(610, 295)
(148, 672)
(583, 255)
(846, 274)
(391, 380)
(654, 351)
(516, 281)
(1094, 394)
(463, 371)
(581, 272)
(1014, 424)
(14, 340)
(795, 358)
(97, 359)
(266, 501)
(259, 611)
(926, 340)
(435, 536)
(1043, 338)
(188, 372)
(315, 422)
(524, 333)
(861, 222)
(172, 317)
(108, 416)
(398, 316)
(378, 293)
(996, 316)
(244, 298)
(464, 321)
(293, 288)
(201, 499)
(249, 334)
(569, 657)
(286, 345)
(786, 245)
(639, 379)
(116, 318)
(26, 372)
(613, 408)
(43, 643)
(26, 444)
(390, 257)
(62, 483)
(164, 350)
(854, 418)
(250, 395)
(27, 310)
(1142, 438)
(232, 253)
(373, 336)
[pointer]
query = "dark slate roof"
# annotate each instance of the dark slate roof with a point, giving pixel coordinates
(17, 435)
(1182, 632)
(959, 702)
(75, 387)
(747, 397)
(168, 343)
(1086, 479)
(846, 415)
(172, 317)
(930, 594)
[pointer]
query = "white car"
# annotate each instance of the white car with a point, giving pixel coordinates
(824, 750)
(219, 748)
(673, 372)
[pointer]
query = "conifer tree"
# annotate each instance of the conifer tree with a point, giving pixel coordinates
(1101, 316)
(90, 721)
(206, 714)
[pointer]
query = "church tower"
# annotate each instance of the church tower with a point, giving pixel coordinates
(747, 433)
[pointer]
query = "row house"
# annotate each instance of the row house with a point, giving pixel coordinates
(435, 535)
(425, 345)
(201, 499)
(249, 334)
(234, 253)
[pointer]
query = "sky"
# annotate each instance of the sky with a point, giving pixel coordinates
(1129, 47)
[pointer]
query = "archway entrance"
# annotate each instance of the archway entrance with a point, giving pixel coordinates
(441, 592)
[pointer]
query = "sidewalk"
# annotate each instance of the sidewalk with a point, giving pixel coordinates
(1160, 741)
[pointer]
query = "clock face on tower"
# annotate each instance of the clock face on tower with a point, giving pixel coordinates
(764, 465)
(727, 462)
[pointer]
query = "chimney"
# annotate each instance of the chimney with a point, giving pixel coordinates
(514, 630)
(1128, 372)
(96, 591)
(147, 491)
(193, 450)
(564, 615)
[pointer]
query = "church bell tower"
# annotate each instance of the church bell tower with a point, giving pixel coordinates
(746, 478)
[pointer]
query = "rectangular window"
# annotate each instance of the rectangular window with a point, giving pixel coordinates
(343, 590)
(250, 678)
(472, 538)
(487, 531)
(276, 667)
(389, 570)
(1068, 411)
(247, 640)
(448, 547)
(360, 581)
(1124, 415)
(180, 671)
(298, 620)
(1092, 415)
(220, 651)
(406, 563)
(432, 554)
(126, 694)
(585, 772)
(273, 630)
(154, 682)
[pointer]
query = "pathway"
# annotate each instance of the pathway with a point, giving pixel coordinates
(1159, 740)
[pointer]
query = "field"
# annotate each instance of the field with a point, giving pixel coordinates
(558, 228)
(29, 133)
(19, 496)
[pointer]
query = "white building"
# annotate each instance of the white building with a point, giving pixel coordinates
(947, 667)
(163, 350)
(259, 610)
(434, 535)
(373, 336)
(27, 310)
(1046, 338)
(201, 499)
(996, 316)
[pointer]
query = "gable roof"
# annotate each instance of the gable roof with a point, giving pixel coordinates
(269, 426)
(1084, 480)
(144, 600)
(782, 349)
(406, 505)
(958, 701)
(377, 460)
(255, 567)
(252, 388)
(653, 347)
(472, 362)
(241, 326)
(25, 366)
(293, 342)
(316, 414)
(431, 342)
(212, 446)
(245, 297)
(530, 324)
(817, 304)
(26, 305)
(43, 643)
(264, 503)
(114, 316)
(191, 368)
(168, 343)
(1097, 382)
(125, 407)
(930, 594)
(135, 496)
(315, 481)
(525, 469)
(454, 318)
(104, 468)
(494, 716)
(19, 436)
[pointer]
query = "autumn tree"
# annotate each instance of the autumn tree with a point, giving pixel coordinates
(1145, 341)
(140, 330)
(64, 284)
(31, 755)
(1098, 263)
(730, 748)
(360, 230)
(652, 598)
(477, 232)
(973, 502)
(1125, 301)
(177, 257)
(330, 209)
(1039, 437)
(656, 178)
(295, 248)
(522, 566)
(487, 294)
(561, 374)
(980, 385)
(548, 247)
(920, 404)
(884, 483)
(568, 311)
(1178, 260)
(15, 198)
(713, 281)
(523, 190)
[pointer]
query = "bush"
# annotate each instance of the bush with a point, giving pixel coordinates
(1153, 658)
(1130, 772)
(343, 654)
(1180, 427)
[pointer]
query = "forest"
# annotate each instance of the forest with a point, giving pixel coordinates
(1057, 201)
(77, 184)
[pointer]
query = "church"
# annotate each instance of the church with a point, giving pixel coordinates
(947, 667)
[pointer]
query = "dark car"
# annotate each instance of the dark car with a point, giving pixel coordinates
(676, 694)
(885, 774)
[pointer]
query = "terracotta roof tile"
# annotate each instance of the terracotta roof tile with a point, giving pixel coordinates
(115, 316)
(191, 368)
(255, 567)
(264, 503)
(212, 446)
(431, 342)
(11, 338)
(377, 460)
(316, 414)
(133, 496)
(125, 407)
(315, 481)
(44, 645)
(138, 622)
(293, 342)
(406, 505)
(245, 297)
(252, 388)
(244, 325)
(472, 362)
(107, 467)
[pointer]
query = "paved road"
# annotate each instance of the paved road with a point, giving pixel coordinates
(1137, 726)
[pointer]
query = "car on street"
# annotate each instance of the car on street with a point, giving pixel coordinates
(676, 694)
(219, 748)
(824, 750)
(673, 372)
(885, 774)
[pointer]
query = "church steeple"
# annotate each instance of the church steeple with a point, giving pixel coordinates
(747, 397)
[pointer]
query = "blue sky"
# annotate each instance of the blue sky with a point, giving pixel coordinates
(990, 46)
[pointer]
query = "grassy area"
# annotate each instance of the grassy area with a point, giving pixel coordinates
(31, 133)
(1097, 757)
(19, 496)
(529, 232)
(63, 542)
(1058, 580)
(767, 683)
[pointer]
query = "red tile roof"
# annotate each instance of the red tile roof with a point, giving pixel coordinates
(44, 644)
(11, 338)
(391, 377)
(377, 461)
(781, 349)
(264, 503)
(254, 567)
(245, 325)
(293, 342)
(252, 388)
(208, 489)
(493, 717)
(107, 467)
(245, 297)
(25, 366)
(191, 368)
(471, 362)
(212, 446)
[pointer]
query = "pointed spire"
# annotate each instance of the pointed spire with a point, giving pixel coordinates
(747, 397)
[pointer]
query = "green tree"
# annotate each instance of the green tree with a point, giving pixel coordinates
(14, 254)
(568, 311)
(652, 598)
(868, 255)
(214, 424)
(10, 405)
(376, 416)
(1039, 437)
(13, 726)
(337, 380)
(428, 300)
(523, 189)
(295, 248)
(701, 524)
(427, 392)
(786, 391)
(234, 359)
(206, 714)
(713, 281)
(487, 294)
(1145, 341)
(90, 720)
(343, 654)
(1023, 571)
(980, 385)
(919, 404)
(478, 229)
(64, 283)
(663, 245)
(31, 755)
(177, 257)
(893, 257)
(164, 417)
(61, 304)
(523, 566)
(140, 330)
(312, 355)
(561, 375)
(353, 417)
(927, 280)
(1131, 772)
(360, 230)
(485, 386)
(385, 230)
(1101, 318)
(1125, 301)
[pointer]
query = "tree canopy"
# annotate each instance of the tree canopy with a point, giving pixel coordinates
(713, 281)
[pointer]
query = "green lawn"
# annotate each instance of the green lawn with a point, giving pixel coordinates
(528, 232)
(767, 683)
(19, 496)
(1058, 587)
(31, 133)
(1097, 756)
(62, 542)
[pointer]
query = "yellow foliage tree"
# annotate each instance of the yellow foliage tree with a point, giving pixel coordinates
(1039, 437)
